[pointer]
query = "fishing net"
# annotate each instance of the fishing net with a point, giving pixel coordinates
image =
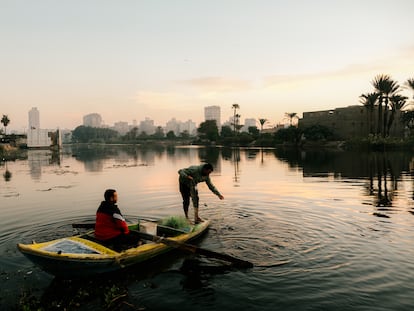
(177, 222)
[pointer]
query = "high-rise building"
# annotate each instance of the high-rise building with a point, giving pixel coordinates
(41, 138)
(92, 120)
(213, 113)
(173, 125)
(34, 120)
(147, 126)
(249, 122)
(188, 126)
(121, 127)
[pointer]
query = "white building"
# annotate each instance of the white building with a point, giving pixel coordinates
(34, 120)
(248, 122)
(188, 126)
(173, 125)
(147, 126)
(41, 138)
(121, 127)
(92, 120)
(213, 113)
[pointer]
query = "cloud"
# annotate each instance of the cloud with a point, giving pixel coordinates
(398, 64)
(303, 79)
(218, 84)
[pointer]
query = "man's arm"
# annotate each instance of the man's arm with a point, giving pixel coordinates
(121, 223)
(213, 188)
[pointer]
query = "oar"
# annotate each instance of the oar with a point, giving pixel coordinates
(84, 226)
(239, 263)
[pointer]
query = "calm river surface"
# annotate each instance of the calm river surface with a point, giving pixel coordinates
(325, 230)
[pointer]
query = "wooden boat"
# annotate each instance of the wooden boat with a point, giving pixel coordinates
(83, 255)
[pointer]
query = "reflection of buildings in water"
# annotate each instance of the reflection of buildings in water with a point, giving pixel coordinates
(122, 157)
(37, 159)
(147, 156)
(94, 165)
(189, 153)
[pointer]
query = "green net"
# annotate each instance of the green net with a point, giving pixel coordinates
(177, 222)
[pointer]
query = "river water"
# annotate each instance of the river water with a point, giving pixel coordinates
(325, 230)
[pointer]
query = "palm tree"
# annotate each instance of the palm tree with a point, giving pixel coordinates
(235, 106)
(262, 122)
(5, 120)
(369, 100)
(397, 102)
(290, 116)
(410, 83)
(385, 87)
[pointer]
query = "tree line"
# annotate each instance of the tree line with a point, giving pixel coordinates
(386, 102)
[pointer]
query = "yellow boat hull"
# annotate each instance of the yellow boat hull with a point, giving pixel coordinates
(77, 256)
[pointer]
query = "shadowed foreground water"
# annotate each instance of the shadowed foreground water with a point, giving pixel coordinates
(326, 231)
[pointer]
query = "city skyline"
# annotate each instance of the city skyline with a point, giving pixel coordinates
(159, 59)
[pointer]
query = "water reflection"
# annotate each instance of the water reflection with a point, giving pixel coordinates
(95, 157)
(383, 172)
(37, 159)
(300, 209)
(197, 274)
(7, 175)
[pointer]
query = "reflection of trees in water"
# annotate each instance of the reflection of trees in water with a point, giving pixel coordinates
(94, 156)
(7, 175)
(381, 170)
(233, 154)
(209, 155)
(384, 172)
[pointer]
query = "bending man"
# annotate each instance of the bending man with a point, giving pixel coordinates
(189, 178)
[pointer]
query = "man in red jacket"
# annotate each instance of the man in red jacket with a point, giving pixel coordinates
(111, 227)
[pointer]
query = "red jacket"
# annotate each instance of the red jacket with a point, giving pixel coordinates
(109, 222)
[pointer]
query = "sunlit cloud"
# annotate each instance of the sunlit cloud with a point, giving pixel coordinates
(400, 64)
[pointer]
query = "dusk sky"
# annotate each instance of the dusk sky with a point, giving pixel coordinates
(133, 59)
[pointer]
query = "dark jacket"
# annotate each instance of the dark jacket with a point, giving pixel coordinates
(109, 222)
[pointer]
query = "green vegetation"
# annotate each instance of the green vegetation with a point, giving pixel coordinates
(86, 134)
(208, 130)
(386, 100)
(177, 222)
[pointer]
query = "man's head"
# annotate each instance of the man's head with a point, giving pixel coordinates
(207, 169)
(110, 195)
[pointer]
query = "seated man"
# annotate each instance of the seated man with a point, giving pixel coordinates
(111, 227)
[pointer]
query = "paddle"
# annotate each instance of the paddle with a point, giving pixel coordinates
(84, 226)
(239, 263)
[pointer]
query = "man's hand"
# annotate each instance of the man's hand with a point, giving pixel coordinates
(221, 197)
(190, 177)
